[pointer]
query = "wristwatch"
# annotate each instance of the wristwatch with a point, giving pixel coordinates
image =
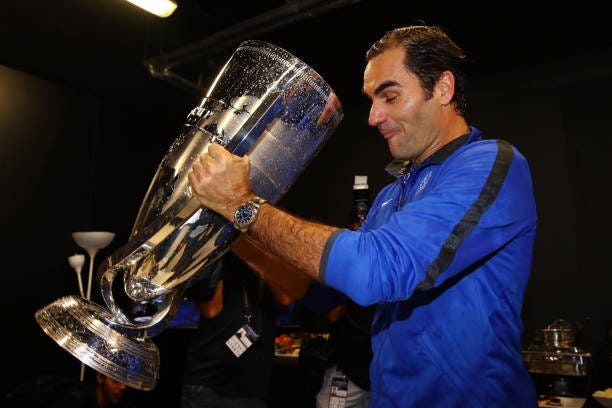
(245, 214)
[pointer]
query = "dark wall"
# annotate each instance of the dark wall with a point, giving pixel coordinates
(73, 161)
(70, 162)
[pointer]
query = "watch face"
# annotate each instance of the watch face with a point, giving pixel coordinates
(245, 214)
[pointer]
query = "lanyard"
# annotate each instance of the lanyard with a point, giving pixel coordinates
(248, 313)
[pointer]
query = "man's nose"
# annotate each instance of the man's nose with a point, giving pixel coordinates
(376, 116)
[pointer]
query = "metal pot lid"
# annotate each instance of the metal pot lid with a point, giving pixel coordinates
(560, 325)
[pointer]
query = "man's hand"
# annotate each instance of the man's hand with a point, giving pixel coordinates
(220, 180)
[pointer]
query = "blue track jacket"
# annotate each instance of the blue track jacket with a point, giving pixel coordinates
(446, 253)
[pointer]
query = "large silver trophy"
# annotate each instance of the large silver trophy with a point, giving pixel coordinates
(264, 102)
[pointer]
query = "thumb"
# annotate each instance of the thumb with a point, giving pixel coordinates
(244, 160)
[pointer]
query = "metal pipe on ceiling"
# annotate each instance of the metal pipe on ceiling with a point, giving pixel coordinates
(161, 66)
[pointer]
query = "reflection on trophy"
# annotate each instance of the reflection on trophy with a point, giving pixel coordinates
(264, 102)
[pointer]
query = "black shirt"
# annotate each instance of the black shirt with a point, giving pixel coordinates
(350, 340)
(210, 362)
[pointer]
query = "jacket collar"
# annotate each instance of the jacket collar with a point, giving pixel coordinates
(400, 167)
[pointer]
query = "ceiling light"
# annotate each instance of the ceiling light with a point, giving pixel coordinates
(161, 8)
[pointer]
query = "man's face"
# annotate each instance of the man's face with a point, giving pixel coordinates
(406, 120)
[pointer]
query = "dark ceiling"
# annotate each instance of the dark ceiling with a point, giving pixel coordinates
(101, 46)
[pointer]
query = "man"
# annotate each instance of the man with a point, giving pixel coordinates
(446, 249)
(229, 358)
(348, 345)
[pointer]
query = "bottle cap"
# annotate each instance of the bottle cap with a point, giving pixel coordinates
(361, 182)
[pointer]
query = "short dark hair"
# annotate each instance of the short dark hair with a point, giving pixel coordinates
(429, 51)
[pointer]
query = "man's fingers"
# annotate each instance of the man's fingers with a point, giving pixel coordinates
(193, 181)
(197, 167)
(215, 150)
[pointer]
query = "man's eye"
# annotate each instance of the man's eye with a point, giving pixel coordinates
(389, 99)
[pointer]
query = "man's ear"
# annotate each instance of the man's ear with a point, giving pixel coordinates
(445, 87)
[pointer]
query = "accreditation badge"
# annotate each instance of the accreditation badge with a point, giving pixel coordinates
(242, 340)
(338, 392)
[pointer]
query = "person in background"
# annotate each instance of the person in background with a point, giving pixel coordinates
(446, 250)
(349, 337)
(229, 359)
(348, 348)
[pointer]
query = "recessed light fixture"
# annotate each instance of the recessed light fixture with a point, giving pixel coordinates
(161, 8)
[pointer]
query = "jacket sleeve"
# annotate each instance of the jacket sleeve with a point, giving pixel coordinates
(478, 200)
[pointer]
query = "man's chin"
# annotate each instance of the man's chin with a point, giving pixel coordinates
(396, 155)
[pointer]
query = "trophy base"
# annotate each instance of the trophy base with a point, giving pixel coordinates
(94, 336)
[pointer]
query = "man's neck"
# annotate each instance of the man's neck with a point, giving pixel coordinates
(454, 128)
